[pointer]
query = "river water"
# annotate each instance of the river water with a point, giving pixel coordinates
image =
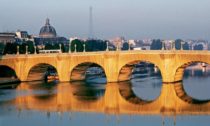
(95, 102)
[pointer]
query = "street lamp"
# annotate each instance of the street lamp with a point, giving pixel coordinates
(174, 45)
(60, 48)
(163, 44)
(26, 49)
(107, 46)
(35, 50)
(69, 47)
(182, 43)
(118, 46)
(18, 50)
(84, 47)
(75, 48)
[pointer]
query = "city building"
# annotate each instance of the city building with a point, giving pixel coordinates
(132, 42)
(48, 34)
(7, 37)
(142, 44)
(23, 35)
(118, 42)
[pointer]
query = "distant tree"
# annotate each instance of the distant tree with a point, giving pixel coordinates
(56, 46)
(65, 47)
(178, 44)
(198, 47)
(156, 44)
(10, 48)
(14, 48)
(79, 45)
(7, 48)
(22, 48)
(95, 45)
(125, 46)
(186, 46)
(30, 45)
(48, 46)
(62, 47)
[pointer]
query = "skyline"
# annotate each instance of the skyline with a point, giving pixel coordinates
(132, 19)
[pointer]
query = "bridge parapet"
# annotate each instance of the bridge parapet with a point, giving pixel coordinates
(170, 63)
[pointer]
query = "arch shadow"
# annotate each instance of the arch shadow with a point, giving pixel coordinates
(42, 72)
(87, 71)
(7, 76)
(136, 72)
(125, 73)
(179, 74)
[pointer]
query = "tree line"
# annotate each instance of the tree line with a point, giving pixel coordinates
(76, 45)
(80, 46)
(157, 45)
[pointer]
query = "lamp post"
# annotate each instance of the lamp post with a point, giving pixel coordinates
(129, 46)
(18, 50)
(182, 43)
(107, 46)
(117, 47)
(163, 44)
(84, 50)
(35, 50)
(26, 49)
(174, 45)
(69, 47)
(60, 48)
(75, 48)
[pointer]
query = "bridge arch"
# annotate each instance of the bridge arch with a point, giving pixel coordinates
(7, 71)
(179, 73)
(37, 71)
(79, 71)
(126, 69)
(192, 77)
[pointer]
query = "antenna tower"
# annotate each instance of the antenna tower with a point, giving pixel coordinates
(91, 36)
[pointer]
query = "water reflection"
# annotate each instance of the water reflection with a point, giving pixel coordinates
(87, 91)
(127, 92)
(146, 82)
(149, 101)
(196, 83)
(180, 92)
(115, 98)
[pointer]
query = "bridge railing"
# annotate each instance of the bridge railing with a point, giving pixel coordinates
(114, 52)
(118, 50)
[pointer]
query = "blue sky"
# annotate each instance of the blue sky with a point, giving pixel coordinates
(133, 19)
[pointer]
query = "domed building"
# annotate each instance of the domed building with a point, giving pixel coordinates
(48, 35)
(47, 31)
